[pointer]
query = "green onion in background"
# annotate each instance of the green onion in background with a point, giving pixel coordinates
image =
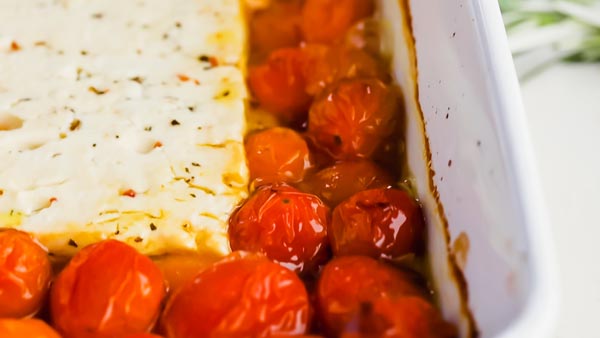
(542, 32)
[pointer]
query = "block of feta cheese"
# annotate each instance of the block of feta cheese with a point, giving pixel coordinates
(122, 119)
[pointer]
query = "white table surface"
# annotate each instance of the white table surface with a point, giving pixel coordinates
(563, 109)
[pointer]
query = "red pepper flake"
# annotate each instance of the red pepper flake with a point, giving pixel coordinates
(53, 199)
(138, 239)
(183, 78)
(213, 61)
(158, 144)
(128, 193)
(1, 192)
(196, 82)
(14, 46)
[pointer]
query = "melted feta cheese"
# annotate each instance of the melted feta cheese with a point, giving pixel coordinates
(122, 119)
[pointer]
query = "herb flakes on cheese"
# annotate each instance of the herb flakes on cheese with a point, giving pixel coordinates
(122, 119)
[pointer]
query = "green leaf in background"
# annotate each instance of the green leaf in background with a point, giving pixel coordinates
(542, 32)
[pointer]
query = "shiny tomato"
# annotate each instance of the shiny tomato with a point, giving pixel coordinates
(348, 283)
(177, 269)
(381, 223)
(276, 26)
(365, 35)
(143, 335)
(295, 336)
(108, 289)
(288, 226)
(26, 328)
(25, 274)
(279, 85)
(277, 155)
(326, 65)
(326, 21)
(344, 179)
(403, 317)
(353, 118)
(244, 295)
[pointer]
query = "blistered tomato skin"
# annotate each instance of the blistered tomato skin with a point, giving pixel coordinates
(287, 225)
(277, 155)
(365, 35)
(279, 85)
(381, 223)
(327, 65)
(353, 118)
(26, 328)
(340, 181)
(108, 289)
(244, 295)
(275, 27)
(348, 283)
(25, 274)
(402, 317)
(327, 21)
(143, 335)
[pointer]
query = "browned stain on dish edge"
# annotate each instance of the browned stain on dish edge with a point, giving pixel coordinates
(457, 272)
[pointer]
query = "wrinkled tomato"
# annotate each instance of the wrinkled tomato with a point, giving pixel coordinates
(287, 225)
(381, 223)
(276, 26)
(277, 155)
(347, 283)
(25, 274)
(344, 179)
(326, 21)
(353, 118)
(244, 295)
(26, 328)
(279, 85)
(402, 317)
(365, 35)
(327, 65)
(108, 289)
(143, 335)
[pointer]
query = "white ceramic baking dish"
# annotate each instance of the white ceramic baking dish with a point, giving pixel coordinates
(469, 153)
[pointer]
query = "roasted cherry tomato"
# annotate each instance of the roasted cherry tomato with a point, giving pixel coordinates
(348, 283)
(402, 317)
(277, 155)
(276, 26)
(244, 295)
(26, 328)
(287, 225)
(143, 335)
(25, 274)
(279, 85)
(295, 336)
(326, 65)
(177, 269)
(381, 223)
(108, 289)
(353, 118)
(328, 20)
(365, 35)
(344, 179)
